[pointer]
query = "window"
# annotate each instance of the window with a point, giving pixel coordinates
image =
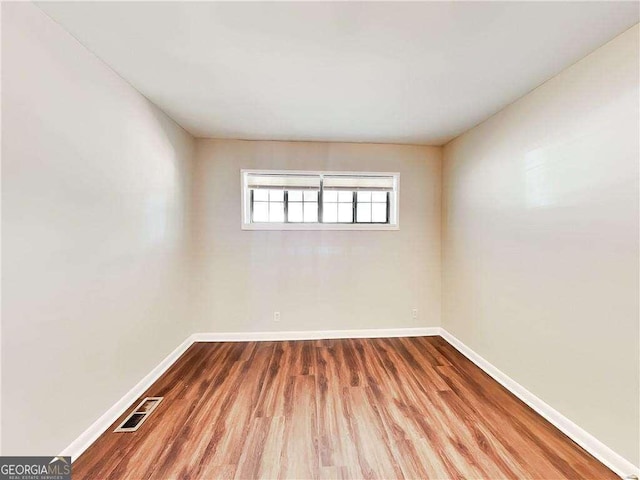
(372, 207)
(302, 206)
(268, 206)
(281, 200)
(337, 207)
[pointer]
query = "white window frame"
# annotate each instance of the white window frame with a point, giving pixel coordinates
(245, 213)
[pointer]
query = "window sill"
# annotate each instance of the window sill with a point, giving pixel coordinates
(318, 226)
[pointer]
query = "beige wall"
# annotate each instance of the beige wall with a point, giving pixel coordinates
(318, 280)
(94, 188)
(540, 235)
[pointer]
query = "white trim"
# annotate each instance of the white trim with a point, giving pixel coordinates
(91, 434)
(315, 335)
(591, 444)
(320, 226)
(267, 171)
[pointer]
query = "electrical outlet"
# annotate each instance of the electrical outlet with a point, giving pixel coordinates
(414, 313)
(276, 316)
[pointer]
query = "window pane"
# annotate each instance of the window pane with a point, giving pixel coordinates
(311, 212)
(260, 212)
(364, 196)
(329, 212)
(276, 212)
(260, 195)
(330, 196)
(379, 197)
(378, 212)
(345, 196)
(310, 195)
(295, 211)
(345, 212)
(276, 195)
(364, 212)
(295, 195)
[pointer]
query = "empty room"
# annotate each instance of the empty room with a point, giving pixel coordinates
(320, 240)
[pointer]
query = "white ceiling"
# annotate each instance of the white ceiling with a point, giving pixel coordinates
(364, 72)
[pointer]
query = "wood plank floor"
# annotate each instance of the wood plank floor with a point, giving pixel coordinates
(394, 408)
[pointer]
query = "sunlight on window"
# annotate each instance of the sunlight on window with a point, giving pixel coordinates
(317, 198)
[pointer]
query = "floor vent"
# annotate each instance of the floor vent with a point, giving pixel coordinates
(139, 415)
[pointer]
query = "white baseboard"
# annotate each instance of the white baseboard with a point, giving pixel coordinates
(315, 335)
(599, 450)
(91, 434)
(591, 444)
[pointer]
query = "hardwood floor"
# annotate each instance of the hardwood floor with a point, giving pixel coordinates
(392, 408)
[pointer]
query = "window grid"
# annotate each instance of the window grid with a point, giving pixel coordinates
(302, 202)
(332, 202)
(370, 199)
(274, 203)
(357, 198)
